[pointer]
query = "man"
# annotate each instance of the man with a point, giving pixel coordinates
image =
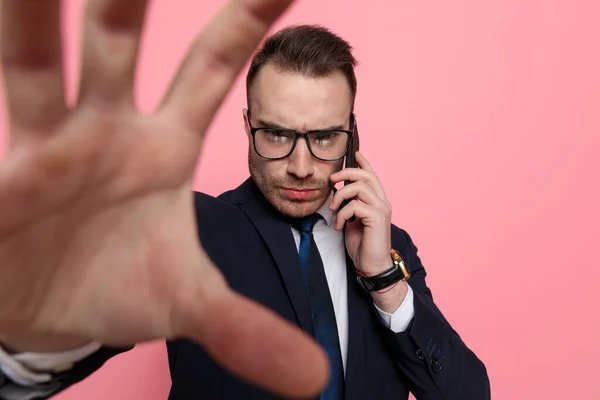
(381, 342)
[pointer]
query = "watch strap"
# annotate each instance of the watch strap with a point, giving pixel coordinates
(397, 272)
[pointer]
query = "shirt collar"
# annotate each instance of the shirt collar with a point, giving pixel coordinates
(325, 212)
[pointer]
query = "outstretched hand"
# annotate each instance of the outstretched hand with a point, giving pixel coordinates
(97, 228)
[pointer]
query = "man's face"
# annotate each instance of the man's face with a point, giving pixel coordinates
(298, 184)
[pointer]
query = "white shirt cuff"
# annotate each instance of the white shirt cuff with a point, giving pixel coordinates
(401, 318)
(28, 369)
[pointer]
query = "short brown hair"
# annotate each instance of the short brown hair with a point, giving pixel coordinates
(311, 50)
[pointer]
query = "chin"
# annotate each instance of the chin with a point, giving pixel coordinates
(296, 209)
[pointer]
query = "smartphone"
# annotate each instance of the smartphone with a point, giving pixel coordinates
(351, 159)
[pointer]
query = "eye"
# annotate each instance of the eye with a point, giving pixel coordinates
(279, 132)
(280, 135)
(325, 137)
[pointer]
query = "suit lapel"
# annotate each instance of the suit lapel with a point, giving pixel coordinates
(358, 319)
(278, 237)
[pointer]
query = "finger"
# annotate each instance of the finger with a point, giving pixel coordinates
(374, 181)
(256, 345)
(357, 175)
(216, 58)
(362, 162)
(111, 46)
(30, 44)
(356, 209)
(360, 190)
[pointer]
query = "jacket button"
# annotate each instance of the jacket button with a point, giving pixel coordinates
(436, 364)
(420, 355)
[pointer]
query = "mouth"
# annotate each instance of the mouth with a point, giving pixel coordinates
(300, 194)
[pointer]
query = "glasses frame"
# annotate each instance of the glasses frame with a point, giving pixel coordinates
(305, 135)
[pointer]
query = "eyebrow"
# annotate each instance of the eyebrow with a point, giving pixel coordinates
(268, 124)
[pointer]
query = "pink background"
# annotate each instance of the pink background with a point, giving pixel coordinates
(482, 119)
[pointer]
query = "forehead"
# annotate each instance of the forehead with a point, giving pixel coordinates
(298, 101)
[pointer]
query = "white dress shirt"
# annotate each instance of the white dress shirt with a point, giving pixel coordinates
(20, 367)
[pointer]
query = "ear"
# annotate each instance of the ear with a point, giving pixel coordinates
(246, 121)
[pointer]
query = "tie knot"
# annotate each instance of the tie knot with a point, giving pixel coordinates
(307, 223)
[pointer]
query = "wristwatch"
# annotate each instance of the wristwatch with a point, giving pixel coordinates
(398, 272)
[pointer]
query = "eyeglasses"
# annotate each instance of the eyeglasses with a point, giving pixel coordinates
(274, 143)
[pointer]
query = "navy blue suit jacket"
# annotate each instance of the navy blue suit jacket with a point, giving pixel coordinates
(254, 248)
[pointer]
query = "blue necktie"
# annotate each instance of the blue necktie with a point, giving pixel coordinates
(321, 306)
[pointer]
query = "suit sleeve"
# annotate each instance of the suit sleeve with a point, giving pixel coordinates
(10, 390)
(430, 354)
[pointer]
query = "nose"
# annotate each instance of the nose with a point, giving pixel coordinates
(301, 161)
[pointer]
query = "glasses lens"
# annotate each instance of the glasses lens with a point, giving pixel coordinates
(274, 143)
(328, 145)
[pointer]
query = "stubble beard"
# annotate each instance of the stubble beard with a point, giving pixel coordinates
(271, 186)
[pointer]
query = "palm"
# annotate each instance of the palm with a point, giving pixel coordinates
(353, 238)
(97, 230)
(359, 247)
(122, 212)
